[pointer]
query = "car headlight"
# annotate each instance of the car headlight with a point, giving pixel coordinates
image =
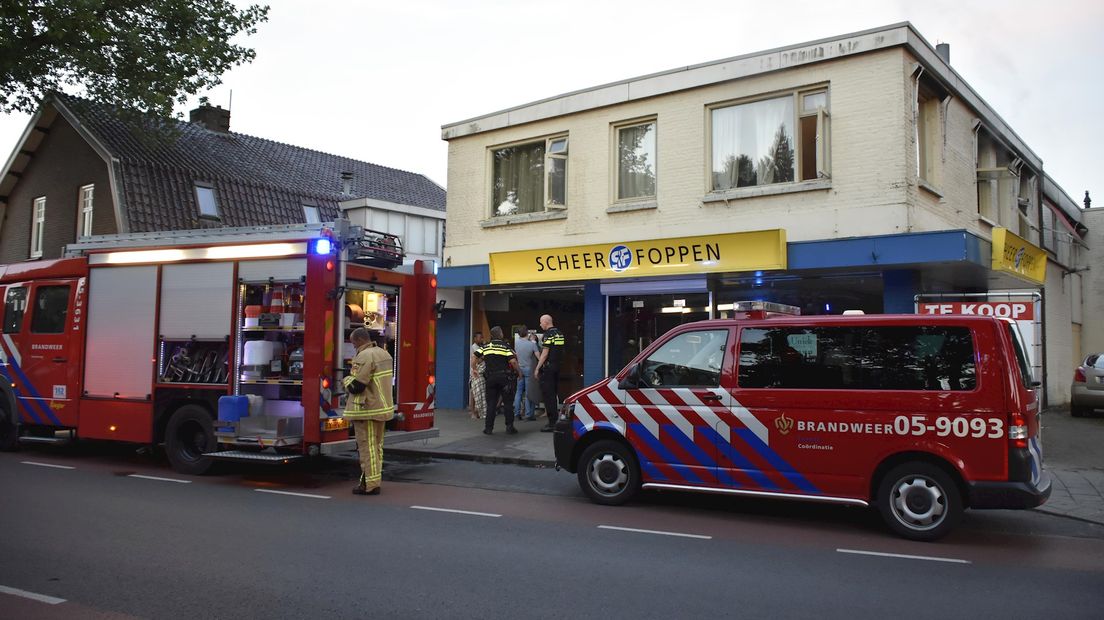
(567, 411)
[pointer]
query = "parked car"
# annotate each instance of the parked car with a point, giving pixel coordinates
(1087, 391)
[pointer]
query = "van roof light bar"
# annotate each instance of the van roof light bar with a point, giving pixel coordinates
(765, 306)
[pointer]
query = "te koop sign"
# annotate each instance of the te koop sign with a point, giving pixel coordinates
(1015, 310)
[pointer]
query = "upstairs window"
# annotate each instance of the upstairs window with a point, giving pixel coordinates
(207, 202)
(928, 130)
(529, 178)
(755, 143)
(312, 214)
(38, 223)
(86, 194)
(636, 161)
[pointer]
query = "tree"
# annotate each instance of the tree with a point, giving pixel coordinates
(144, 55)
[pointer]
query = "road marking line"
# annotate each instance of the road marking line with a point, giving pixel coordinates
(37, 464)
(459, 512)
(661, 533)
(158, 478)
(41, 598)
(310, 495)
(905, 556)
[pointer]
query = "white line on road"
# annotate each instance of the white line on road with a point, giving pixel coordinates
(37, 464)
(310, 495)
(459, 512)
(41, 598)
(159, 478)
(661, 533)
(905, 556)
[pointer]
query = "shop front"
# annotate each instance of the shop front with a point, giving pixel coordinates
(612, 300)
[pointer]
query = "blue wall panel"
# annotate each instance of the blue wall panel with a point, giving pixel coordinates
(594, 333)
(452, 360)
(899, 288)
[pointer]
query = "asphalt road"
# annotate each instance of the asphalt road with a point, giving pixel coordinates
(459, 539)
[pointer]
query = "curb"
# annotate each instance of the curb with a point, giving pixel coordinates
(1063, 515)
(479, 458)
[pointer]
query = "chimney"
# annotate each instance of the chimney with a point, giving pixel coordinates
(943, 50)
(211, 117)
(347, 183)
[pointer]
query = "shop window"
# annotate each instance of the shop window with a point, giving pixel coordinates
(38, 224)
(755, 143)
(86, 195)
(636, 161)
(857, 358)
(50, 309)
(15, 304)
(529, 178)
(207, 202)
(311, 214)
(689, 359)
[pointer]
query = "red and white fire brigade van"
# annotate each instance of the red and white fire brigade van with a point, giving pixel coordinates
(921, 416)
(221, 343)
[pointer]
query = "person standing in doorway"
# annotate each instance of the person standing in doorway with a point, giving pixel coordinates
(527, 353)
(501, 371)
(478, 385)
(369, 405)
(548, 370)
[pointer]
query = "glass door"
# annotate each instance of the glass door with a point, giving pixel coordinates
(635, 321)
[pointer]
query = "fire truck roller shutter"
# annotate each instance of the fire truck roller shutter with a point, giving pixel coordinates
(197, 300)
(282, 270)
(121, 308)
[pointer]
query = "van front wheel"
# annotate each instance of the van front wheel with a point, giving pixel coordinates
(609, 473)
(919, 501)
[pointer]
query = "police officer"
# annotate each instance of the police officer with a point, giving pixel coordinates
(500, 370)
(547, 371)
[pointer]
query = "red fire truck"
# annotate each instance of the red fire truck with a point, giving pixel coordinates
(219, 343)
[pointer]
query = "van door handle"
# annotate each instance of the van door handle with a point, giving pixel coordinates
(711, 398)
(60, 360)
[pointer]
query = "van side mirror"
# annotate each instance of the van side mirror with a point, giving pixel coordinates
(632, 379)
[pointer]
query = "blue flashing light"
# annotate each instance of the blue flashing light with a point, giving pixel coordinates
(758, 274)
(758, 281)
(323, 246)
(827, 307)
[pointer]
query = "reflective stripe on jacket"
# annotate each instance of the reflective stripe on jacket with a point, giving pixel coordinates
(373, 367)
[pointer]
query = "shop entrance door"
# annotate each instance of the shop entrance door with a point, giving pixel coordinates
(635, 321)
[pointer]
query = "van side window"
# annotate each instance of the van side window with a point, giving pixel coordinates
(15, 303)
(689, 359)
(50, 309)
(857, 358)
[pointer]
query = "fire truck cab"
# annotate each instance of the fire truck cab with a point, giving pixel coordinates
(220, 343)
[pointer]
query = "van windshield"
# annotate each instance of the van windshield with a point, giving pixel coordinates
(1021, 354)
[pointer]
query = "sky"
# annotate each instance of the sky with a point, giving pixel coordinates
(376, 80)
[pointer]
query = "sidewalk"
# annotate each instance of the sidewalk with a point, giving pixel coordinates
(462, 438)
(1073, 454)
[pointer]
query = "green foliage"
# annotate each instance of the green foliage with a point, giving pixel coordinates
(143, 55)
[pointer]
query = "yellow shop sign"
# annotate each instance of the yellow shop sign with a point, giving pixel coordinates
(1015, 255)
(745, 251)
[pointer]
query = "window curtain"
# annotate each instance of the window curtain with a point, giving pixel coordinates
(518, 179)
(636, 154)
(753, 144)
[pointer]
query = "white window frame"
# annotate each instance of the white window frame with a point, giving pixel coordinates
(214, 201)
(85, 200)
(308, 209)
(38, 224)
(823, 137)
(929, 120)
(548, 141)
(616, 165)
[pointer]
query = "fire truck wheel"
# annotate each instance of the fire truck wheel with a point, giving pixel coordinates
(609, 473)
(919, 501)
(9, 430)
(188, 436)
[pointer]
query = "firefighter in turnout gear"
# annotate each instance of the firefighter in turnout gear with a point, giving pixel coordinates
(369, 406)
(501, 371)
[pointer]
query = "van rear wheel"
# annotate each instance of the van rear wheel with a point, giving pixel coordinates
(609, 473)
(919, 501)
(188, 436)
